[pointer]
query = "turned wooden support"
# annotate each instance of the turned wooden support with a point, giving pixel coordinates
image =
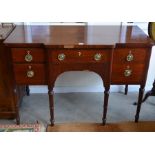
(140, 97)
(27, 90)
(16, 107)
(126, 89)
(17, 118)
(51, 104)
(105, 106)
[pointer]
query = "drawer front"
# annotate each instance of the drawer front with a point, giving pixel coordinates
(128, 74)
(28, 55)
(127, 55)
(79, 56)
(29, 73)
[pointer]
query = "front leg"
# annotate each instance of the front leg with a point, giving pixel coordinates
(27, 90)
(126, 89)
(51, 104)
(16, 106)
(141, 92)
(105, 106)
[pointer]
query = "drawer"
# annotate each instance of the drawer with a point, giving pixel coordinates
(29, 73)
(28, 55)
(79, 56)
(126, 55)
(128, 74)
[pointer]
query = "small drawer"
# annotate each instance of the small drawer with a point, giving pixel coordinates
(29, 73)
(126, 55)
(128, 74)
(79, 56)
(28, 55)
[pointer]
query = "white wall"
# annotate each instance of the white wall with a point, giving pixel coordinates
(91, 82)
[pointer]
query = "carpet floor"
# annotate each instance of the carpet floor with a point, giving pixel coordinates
(109, 127)
(83, 108)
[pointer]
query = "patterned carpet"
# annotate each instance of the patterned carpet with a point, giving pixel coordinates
(22, 128)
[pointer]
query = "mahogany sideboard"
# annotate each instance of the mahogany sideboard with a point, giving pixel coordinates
(39, 54)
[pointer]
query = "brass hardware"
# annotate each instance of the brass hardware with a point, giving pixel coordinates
(79, 53)
(30, 73)
(127, 72)
(80, 43)
(61, 57)
(129, 57)
(68, 46)
(97, 56)
(30, 67)
(28, 57)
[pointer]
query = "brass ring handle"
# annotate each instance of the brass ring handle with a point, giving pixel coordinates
(129, 57)
(30, 73)
(61, 57)
(28, 57)
(97, 57)
(127, 72)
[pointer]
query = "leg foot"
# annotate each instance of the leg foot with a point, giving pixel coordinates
(136, 118)
(126, 89)
(17, 115)
(16, 101)
(141, 92)
(51, 104)
(103, 121)
(52, 122)
(105, 106)
(17, 121)
(27, 90)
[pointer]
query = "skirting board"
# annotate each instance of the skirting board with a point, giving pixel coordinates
(113, 88)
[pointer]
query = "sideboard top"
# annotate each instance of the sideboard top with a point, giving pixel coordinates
(78, 36)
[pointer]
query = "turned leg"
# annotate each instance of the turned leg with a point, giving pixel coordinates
(51, 104)
(16, 106)
(105, 106)
(17, 117)
(27, 90)
(126, 89)
(140, 97)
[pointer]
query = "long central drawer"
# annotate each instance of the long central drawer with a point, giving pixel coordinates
(79, 56)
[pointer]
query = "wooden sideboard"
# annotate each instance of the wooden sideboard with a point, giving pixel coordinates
(39, 54)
